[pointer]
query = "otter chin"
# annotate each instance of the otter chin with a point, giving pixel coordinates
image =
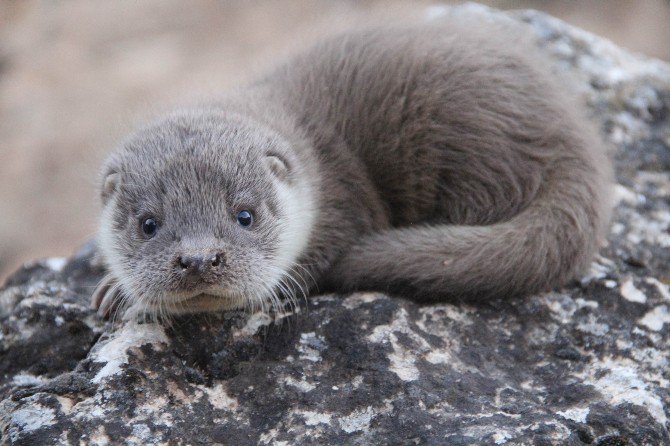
(197, 303)
(431, 160)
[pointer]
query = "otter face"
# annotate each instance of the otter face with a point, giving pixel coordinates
(202, 211)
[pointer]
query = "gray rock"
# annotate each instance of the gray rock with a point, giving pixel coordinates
(587, 364)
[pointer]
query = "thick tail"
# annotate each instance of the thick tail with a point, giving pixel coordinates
(542, 247)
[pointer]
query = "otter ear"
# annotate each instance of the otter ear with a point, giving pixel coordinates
(277, 165)
(110, 186)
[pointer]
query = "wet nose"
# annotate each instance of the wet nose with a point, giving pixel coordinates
(199, 263)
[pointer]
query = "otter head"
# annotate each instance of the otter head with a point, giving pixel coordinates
(203, 211)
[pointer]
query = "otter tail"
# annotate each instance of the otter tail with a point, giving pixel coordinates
(551, 241)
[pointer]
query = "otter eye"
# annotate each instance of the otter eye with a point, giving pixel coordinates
(244, 218)
(149, 227)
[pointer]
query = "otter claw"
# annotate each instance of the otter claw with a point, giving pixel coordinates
(105, 297)
(99, 292)
(109, 304)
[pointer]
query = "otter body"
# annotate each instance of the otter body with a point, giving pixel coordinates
(427, 160)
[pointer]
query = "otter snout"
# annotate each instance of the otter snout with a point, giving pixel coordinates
(206, 267)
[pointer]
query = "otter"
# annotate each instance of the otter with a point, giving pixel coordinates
(431, 160)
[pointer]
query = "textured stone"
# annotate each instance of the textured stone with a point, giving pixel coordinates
(587, 364)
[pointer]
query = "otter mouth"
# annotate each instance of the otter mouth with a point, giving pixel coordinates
(210, 300)
(181, 295)
(200, 297)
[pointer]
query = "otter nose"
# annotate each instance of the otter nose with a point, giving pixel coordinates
(199, 263)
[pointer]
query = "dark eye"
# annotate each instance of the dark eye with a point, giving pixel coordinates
(244, 218)
(149, 227)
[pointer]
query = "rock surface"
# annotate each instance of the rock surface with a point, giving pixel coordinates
(587, 364)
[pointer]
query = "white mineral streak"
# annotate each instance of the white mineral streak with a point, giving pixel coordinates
(269, 438)
(577, 414)
(308, 346)
(563, 306)
(356, 300)
(436, 320)
(593, 326)
(301, 385)
(66, 404)
(9, 297)
(501, 437)
(99, 437)
(584, 303)
(358, 420)
(402, 359)
(33, 417)
(631, 293)
(621, 384)
(662, 288)
(457, 313)
(140, 435)
(617, 228)
(26, 379)
(624, 195)
(177, 394)
(652, 227)
(255, 321)
(91, 408)
(659, 180)
(113, 352)
(35, 295)
(607, 62)
(655, 318)
(610, 283)
(656, 364)
(219, 398)
(56, 263)
(314, 418)
(597, 271)
(560, 431)
(154, 410)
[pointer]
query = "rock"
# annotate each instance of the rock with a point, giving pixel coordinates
(587, 364)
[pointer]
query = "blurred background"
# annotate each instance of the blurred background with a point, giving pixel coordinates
(76, 75)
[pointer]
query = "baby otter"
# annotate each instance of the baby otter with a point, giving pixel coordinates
(432, 160)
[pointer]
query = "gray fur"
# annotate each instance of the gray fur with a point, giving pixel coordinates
(441, 164)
